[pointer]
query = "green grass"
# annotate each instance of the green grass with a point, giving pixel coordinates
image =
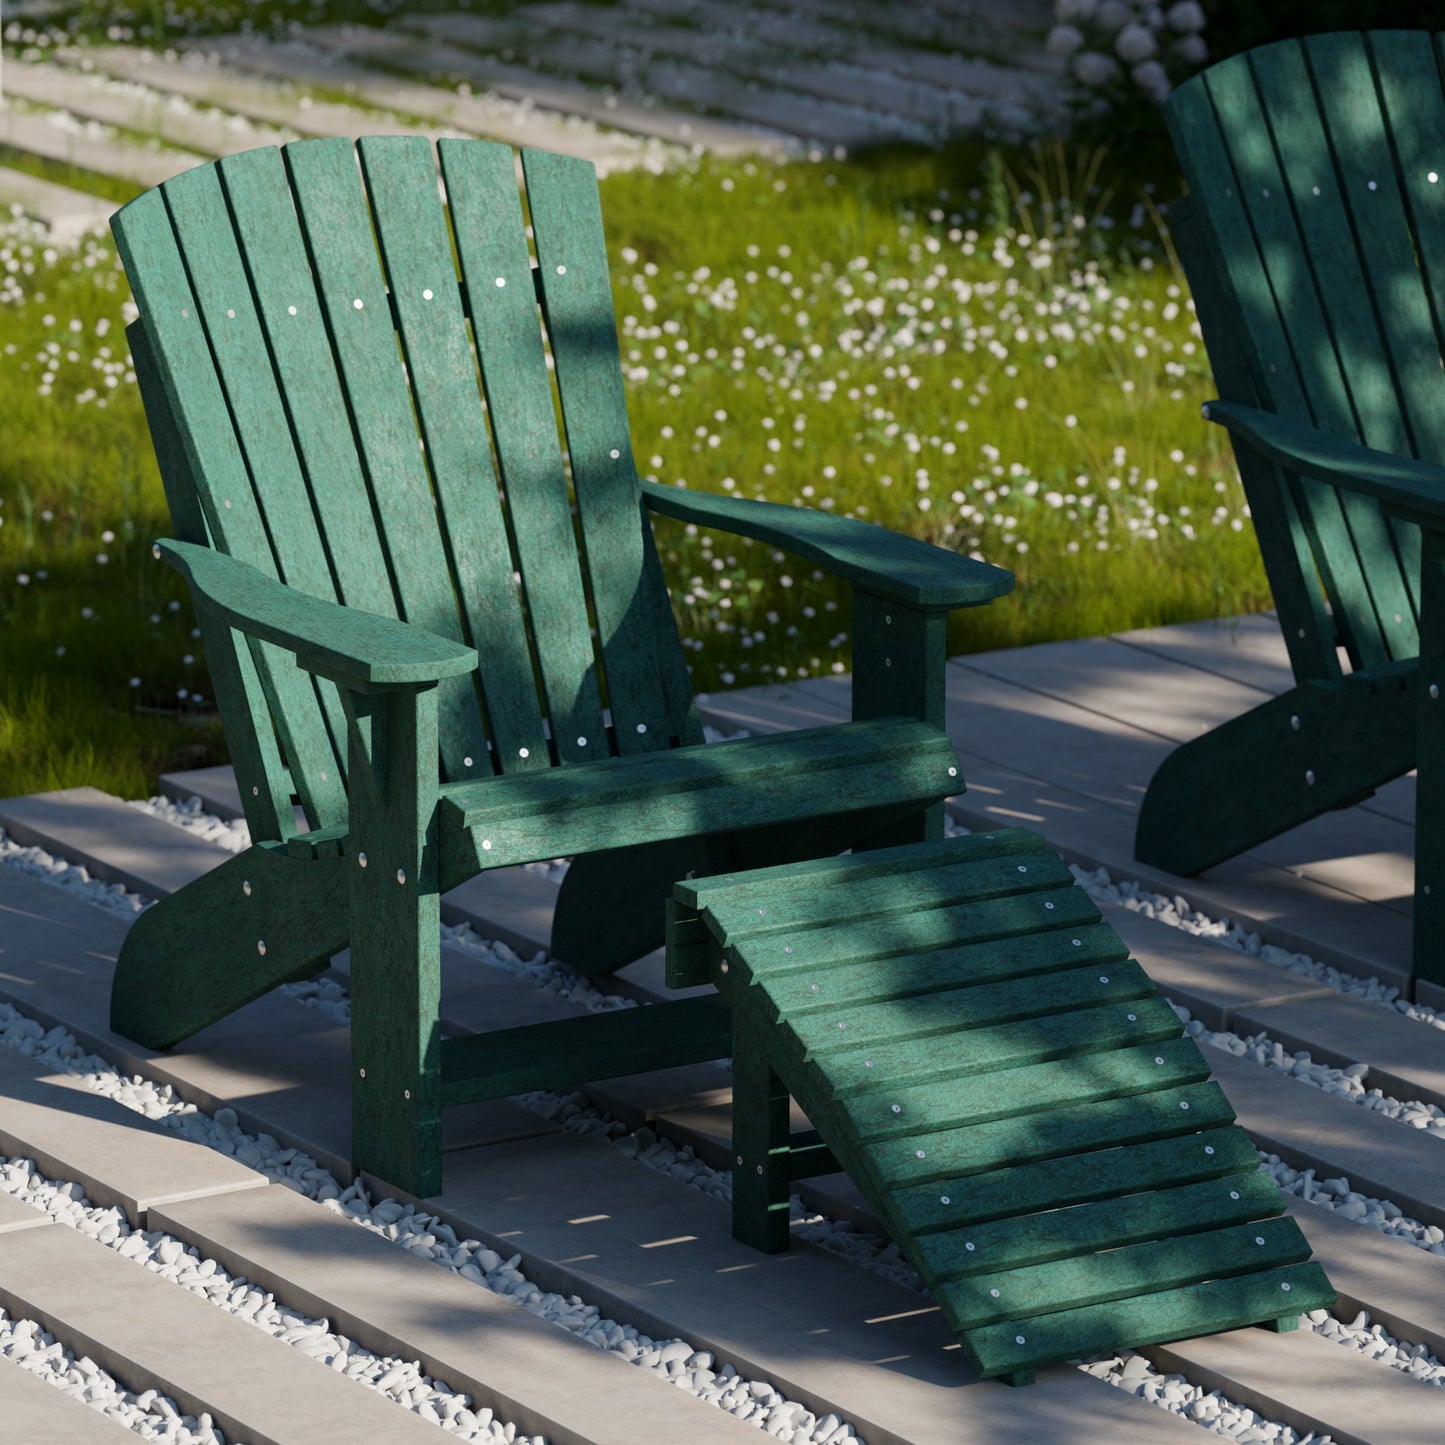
(856, 336)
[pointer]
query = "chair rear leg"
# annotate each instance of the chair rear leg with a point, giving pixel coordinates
(260, 919)
(1318, 746)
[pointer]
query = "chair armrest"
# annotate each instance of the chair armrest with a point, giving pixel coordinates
(1412, 490)
(355, 649)
(902, 569)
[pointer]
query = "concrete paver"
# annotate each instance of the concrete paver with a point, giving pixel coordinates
(70, 214)
(654, 1251)
(144, 165)
(1308, 1128)
(33, 1410)
(544, 1378)
(118, 1156)
(149, 1333)
(17, 1214)
(1406, 1059)
(1401, 1285)
(1311, 1383)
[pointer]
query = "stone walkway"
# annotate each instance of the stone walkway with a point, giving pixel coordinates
(644, 1245)
(640, 82)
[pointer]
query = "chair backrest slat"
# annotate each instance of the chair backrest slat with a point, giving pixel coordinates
(401, 179)
(181, 336)
(492, 247)
(1292, 150)
(353, 295)
(647, 687)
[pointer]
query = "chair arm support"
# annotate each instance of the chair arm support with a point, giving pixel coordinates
(902, 569)
(355, 649)
(1412, 490)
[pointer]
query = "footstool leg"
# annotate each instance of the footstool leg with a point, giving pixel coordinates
(761, 1177)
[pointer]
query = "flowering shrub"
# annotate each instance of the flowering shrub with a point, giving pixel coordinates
(1122, 49)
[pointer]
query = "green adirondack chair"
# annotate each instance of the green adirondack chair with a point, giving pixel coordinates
(1314, 240)
(455, 668)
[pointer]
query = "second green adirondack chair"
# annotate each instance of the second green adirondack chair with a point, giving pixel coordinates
(1314, 240)
(455, 665)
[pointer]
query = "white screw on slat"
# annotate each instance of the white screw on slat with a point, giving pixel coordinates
(1103, 978)
(1049, 906)
(486, 843)
(953, 772)
(362, 1072)
(994, 1293)
(522, 753)
(291, 310)
(1259, 1239)
(501, 280)
(561, 270)
(896, 1108)
(581, 742)
(261, 946)
(1310, 776)
(642, 727)
(944, 1199)
(1294, 723)
(919, 1154)
(1133, 1018)
(1018, 1339)
(1077, 942)
(1209, 1148)
(1285, 1288)
(1158, 1058)
(466, 762)
(1184, 1104)
(361, 858)
(1434, 692)
(406, 1093)
(426, 295)
(401, 875)
(614, 454)
(1432, 177)
(1234, 1194)
(723, 965)
(358, 303)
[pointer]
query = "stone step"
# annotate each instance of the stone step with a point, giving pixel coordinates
(689, 85)
(647, 1248)
(34, 1410)
(283, 1067)
(390, 1300)
(111, 840)
(93, 97)
(34, 133)
(149, 1333)
(69, 214)
(118, 1156)
(16, 1214)
(207, 83)
(1401, 1285)
(471, 48)
(1310, 1129)
(325, 58)
(1311, 1383)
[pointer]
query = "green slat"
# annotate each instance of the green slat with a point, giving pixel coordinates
(335, 218)
(881, 897)
(1176, 1314)
(492, 246)
(401, 180)
(907, 975)
(1290, 304)
(1056, 1183)
(931, 1046)
(1029, 1242)
(558, 1054)
(1117, 1273)
(285, 291)
(646, 676)
(1383, 263)
(1021, 914)
(213, 454)
(223, 292)
(973, 1148)
(781, 883)
(943, 1106)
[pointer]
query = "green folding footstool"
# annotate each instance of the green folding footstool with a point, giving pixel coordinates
(976, 1048)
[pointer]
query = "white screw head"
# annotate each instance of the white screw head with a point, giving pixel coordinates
(501, 281)
(362, 1072)
(1103, 978)
(1018, 1339)
(1373, 186)
(581, 742)
(896, 1108)
(1294, 723)
(406, 1093)
(723, 966)
(1434, 692)
(1285, 1288)
(970, 1246)
(255, 792)
(1184, 1104)
(1158, 1058)
(614, 454)
(842, 1026)
(361, 858)
(944, 1199)
(953, 772)
(156, 552)
(358, 303)
(918, 1154)
(486, 844)
(1133, 1018)
(426, 295)
(246, 888)
(1022, 868)
(760, 1168)
(1209, 1148)
(522, 753)
(1259, 1239)
(1234, 1194)
(562, 270)
(231, 315)
(867, 1063)
(642, 727)
(1432, 177)
(291, 310)
(1310, 776)
(401, 875)
(740, 1158)
(788, 948)
(261, 946)
(762, 912)
(994, 1293)
(466, 762)
(814, 987)
(1077, 942)
(1048, 905)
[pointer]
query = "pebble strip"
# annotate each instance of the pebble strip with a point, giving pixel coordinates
(150, 1414)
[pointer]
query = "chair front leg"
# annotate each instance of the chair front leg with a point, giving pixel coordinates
(1429, 933)
(392, 860)
(898, 662)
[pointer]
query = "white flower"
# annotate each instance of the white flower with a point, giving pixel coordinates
(1191, 49)
(1066, 10)
(1114, 15)
(1095, 69)
(1064, 40)
(1135, 43)
(1187, 15)
(1152, 79)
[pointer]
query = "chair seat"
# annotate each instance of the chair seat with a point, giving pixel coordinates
(749, 782)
